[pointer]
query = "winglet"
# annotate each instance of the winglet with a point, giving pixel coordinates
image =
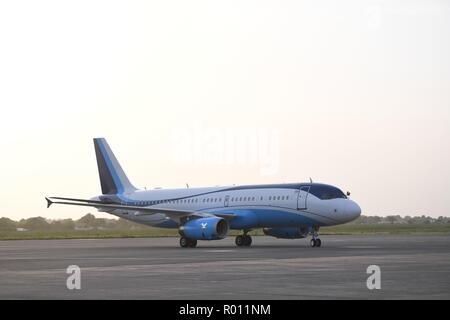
(49, 202)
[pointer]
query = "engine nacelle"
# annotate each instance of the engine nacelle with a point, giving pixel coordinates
(286, 233)
(212, 228)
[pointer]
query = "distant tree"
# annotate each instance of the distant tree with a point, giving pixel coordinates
(426, 219)
(88, 220)
(126, 224)
(7, 224)
(391, 219)
(35, 223)
(409, 219)
(374, 220)
(442, 219)
(102, 222)
(66, 224)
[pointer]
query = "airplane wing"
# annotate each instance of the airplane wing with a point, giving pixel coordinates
(139, 211)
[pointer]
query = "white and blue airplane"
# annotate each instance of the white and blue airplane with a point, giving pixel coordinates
(289, 211)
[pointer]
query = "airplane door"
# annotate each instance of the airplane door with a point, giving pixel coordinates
(302, 198)
(227, 200)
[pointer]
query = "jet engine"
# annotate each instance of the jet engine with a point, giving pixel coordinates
(287, 233)
(210, 228)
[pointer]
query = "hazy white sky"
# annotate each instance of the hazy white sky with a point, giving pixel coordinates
(351, 93)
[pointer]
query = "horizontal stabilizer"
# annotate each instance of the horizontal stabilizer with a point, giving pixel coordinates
(139, 211)
(49, 202)
(80, 200)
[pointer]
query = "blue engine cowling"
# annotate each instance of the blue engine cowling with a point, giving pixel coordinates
(286, 233)
(213, 228)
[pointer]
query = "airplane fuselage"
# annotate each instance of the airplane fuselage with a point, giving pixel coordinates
(254, 206)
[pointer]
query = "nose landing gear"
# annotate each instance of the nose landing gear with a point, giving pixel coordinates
(315, 241)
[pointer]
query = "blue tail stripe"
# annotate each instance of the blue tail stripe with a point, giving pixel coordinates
(111, 168)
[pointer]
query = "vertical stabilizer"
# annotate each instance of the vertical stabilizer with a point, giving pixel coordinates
(112, 177)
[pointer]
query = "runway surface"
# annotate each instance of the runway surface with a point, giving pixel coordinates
(412, 267)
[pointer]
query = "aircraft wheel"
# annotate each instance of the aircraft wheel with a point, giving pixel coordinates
(187, 243)
(184, 242)
(192, 243)
(247, 240)
(240, 241)
(318, 243)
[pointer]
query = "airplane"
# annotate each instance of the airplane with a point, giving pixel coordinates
(287, 211)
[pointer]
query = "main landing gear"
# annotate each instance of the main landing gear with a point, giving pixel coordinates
(243, 240)
(188, 242)
(315, 241)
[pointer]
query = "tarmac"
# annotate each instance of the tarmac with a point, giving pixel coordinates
(411, 267)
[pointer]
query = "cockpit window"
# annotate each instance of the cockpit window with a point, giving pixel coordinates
(326, 192)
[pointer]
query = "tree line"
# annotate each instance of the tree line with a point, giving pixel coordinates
(399, 219)
(89, 221)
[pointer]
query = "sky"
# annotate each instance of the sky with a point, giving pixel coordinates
(351, 93)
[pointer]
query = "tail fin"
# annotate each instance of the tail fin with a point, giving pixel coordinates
(112, 177)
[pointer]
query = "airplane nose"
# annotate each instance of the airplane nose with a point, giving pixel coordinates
(353, 210)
